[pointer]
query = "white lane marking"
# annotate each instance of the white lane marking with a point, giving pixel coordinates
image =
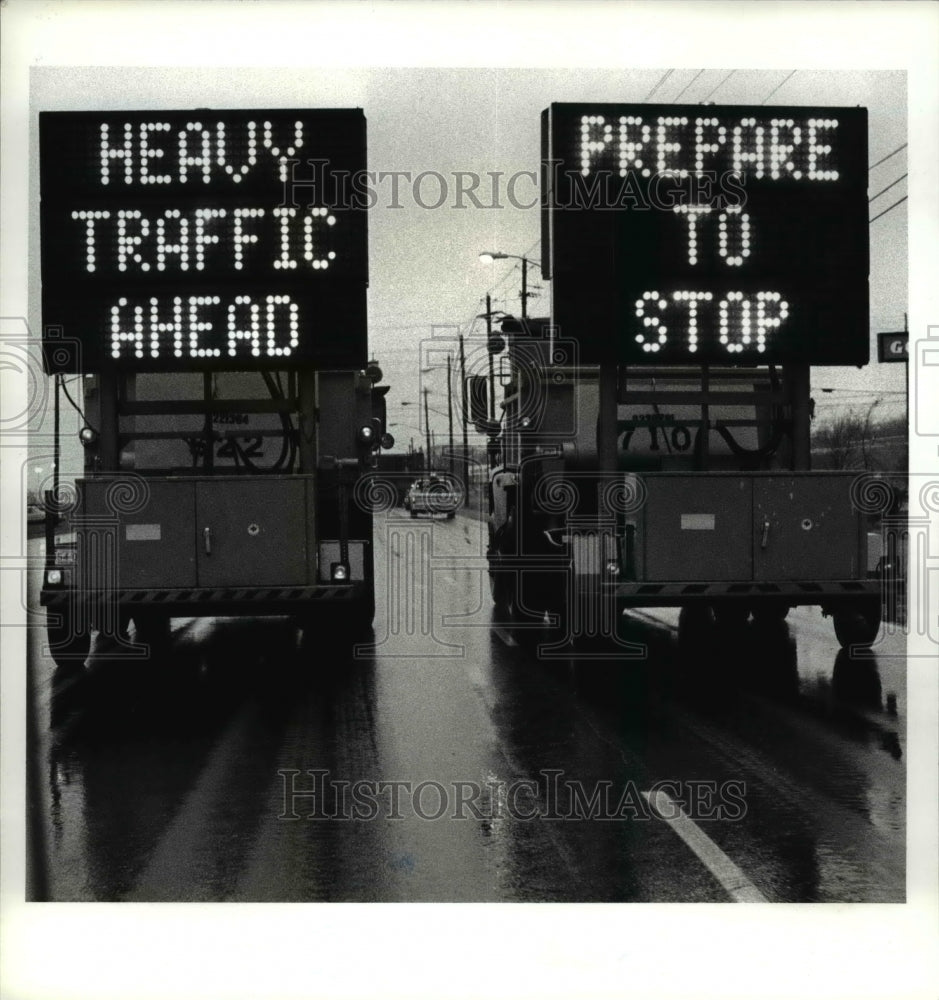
(733, 880)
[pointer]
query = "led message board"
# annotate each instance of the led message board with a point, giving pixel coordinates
(704, 234)
(181, 240)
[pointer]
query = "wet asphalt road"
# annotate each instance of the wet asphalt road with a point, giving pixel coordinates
(443, 760)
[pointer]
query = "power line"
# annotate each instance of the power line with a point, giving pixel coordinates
(887, 157)
(861, 392)
(667, 74)
(718, 87)
(886, 210)
(687, 85)
(887, 188)
(880, 399)
(773, 91)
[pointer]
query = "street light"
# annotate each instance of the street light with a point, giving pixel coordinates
(488, 256)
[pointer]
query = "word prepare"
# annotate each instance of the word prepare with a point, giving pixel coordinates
(676, 146)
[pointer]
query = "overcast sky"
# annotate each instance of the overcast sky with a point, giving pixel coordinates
(440, 122)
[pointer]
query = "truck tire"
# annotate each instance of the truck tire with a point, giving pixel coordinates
(152, 628)
(502, 590)
(857, 624)
(351, 621)
(770, 612)
(69, 640)
(695, 626)
(362, 615)
(730, 614)
(540, 598)
(503, 583)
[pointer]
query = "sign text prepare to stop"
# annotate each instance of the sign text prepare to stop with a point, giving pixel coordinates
(708, 234)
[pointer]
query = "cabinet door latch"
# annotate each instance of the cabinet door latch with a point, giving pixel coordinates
(763, 541)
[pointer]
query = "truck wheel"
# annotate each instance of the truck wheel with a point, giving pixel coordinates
(69, 640)
(770, 612)
(362, 616)
(503, 583)
(502, 589)
(730, 614)
(695, 624)
(857, 624)
(152, 628)
(348, 620)
(544, 597)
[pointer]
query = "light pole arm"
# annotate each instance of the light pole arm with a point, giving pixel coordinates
(492, 255)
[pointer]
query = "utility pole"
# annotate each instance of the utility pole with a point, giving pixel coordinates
(524, 290)
(906, 385)
(430, 446)
(465, 418)
(492, 372)
(450, 409)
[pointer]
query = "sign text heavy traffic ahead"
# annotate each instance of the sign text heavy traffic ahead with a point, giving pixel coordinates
(202, 239)
(705, 234)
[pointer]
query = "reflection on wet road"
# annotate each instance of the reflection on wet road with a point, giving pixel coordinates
(445, 761)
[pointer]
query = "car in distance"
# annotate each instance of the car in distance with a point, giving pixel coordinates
(434, 494)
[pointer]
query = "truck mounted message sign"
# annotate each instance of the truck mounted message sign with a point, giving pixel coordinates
(181, 240)
(707, 234)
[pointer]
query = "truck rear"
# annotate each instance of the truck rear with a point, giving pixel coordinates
(204, 279)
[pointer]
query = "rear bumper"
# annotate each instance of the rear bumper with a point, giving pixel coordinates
(423, 507)
(559, 573)
(212, 601)
(678, 594)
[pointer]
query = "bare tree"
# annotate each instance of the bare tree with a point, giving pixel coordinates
(838, 443)
(866, 442)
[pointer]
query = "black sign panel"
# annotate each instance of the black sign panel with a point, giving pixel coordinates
(893, 346)
(180, 240)
(703, 234)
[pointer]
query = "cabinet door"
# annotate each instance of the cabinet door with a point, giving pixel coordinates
(251, 533)
(154, 529)
(696, 528)
(804, 528)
